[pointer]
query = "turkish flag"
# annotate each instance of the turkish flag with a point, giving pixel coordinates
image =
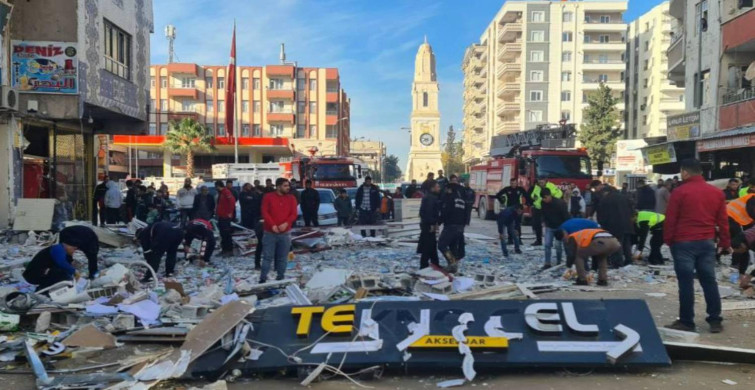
(230, 89)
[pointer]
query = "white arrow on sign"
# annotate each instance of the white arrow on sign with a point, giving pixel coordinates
(613, 349)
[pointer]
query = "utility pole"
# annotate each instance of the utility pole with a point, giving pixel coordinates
(170, 34)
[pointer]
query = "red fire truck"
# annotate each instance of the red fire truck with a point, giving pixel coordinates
(325, 172)
(546, 152)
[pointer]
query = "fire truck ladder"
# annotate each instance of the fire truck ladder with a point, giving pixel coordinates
(548, 136)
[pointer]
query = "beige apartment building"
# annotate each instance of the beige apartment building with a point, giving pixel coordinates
(536, 63)
(281, 110)
(370, 152)
(650, 97)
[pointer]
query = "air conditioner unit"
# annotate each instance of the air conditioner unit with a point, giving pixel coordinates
(8, 98)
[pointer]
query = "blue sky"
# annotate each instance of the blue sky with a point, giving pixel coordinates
(373, 43)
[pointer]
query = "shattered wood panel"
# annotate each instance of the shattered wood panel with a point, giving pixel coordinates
(34, 214)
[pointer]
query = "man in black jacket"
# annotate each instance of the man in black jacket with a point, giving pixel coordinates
(512, 196)
(428, 183)
(645, 196)
(310, 204)
(453, 216)
(156, 240)
(555, 213)
(411, 189)
(429, 214)
(469, 198)
(367, 203)
(200, 229)
(251, 202)
(98, 202)
(615, 214)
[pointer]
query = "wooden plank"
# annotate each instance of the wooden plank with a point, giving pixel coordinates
(737, 305)
(34, 214)
(486, 293)
(527, 293)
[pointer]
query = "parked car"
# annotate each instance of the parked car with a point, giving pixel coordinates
(326, 215)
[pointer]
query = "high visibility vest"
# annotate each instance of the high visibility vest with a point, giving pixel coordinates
(652, 218)
(584, 237)
(737, 210)
(744, 191)
(537, 199)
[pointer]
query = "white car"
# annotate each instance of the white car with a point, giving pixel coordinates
(326, 214)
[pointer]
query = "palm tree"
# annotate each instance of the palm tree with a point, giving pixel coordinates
(186, 137)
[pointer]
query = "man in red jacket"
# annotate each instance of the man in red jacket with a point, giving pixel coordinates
(695, 209)
(279, 214)
(225, 210)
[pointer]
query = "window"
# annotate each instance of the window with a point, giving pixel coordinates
(567, 36)
(256, 130)
(276, 106)
(300, 131)
(535, 116)
(538, 36)
(163, 104)
(312, 84)
(331, 132)
(644, 119)
(188, 82)
(603, 78)
(301, 107)
(566, 115)
(163, 82)
(187, 105)
(587, 39)
(538, 17)
(312, 107)
(256, 83)
(256, 106)
(605, 19)
(152, 81)
(647, 45)
(701, 15)
(245, 83)
(312, 131)
(275, 84)
(301, 84)
(208, 83)
(221, 105)
(604, 39)
(645, 83)
(117, 51)
(565, 96)
(566, 56)
(565, 76)
(245, 106)
(424, 99)
(536, 96)
(536, 56)
(536, 75)
(245, 130)
(681, 97)
(602, 59)
(163, 128)
(646, 65)
(568, 16)
(152, 129)
(208, 106)
(152, 104)
(276, 130)
(221, 82)
(221, 129)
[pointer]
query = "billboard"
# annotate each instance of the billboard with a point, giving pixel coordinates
(44, 67)
(683, 126)
(629, 155)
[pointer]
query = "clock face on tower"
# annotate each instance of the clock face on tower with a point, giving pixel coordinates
(426, 139)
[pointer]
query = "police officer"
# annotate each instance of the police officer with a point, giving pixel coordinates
(159, 239)
(650, 222)
(200, 229)
(537, 211)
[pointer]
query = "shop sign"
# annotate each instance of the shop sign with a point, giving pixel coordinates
(629, 155)
(741, 141)
(44, 67)
(683, 126)
(660, 154)
(422, 335)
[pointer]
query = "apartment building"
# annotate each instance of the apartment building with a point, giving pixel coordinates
(651, 98)
(370, 152)
(541, 61)
(281, 110)
(711, 55)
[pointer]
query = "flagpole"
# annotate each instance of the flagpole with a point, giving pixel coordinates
(235, 105)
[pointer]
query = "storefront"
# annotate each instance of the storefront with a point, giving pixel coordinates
(679, 144)
(731, 153)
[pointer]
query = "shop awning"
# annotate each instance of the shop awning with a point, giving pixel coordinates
(743, 137)
(664, 156)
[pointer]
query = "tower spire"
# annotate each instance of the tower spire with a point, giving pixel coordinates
(425, 38)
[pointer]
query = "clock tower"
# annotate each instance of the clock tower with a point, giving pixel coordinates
(424, 150)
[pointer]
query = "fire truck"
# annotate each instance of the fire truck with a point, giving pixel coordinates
(546, 152)
(325, 172)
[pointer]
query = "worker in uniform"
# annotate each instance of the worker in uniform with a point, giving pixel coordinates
(742, 244)
(536, 201)
(429, 214)
(741, 212)
(512, 196)
(158, 239)
(650, 222)
(595, 243)
(453, 217)
(747, 189)
(200, 229)
(54, 264)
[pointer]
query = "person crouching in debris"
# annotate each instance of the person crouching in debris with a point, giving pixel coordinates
(741, 213)
(158, 239)
(507, 222)
(589, 242)
(650, 222)
(201, 230)
(453, 215)
(742, 244)
(279, 213)
(54, 263)
(429, 214)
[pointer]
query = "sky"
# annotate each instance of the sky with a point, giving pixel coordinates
(372, 43)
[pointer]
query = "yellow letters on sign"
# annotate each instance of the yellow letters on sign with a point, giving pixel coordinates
(450, 342)
(305, 318)
(339, 319)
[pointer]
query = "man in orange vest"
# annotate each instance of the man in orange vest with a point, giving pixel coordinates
(595, 243)
(741, 212)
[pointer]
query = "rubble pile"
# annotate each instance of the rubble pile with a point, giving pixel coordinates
(170, 322)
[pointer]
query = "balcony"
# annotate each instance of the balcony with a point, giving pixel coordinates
(331, 74)
(279, 70)
(675, 55)
(509, 68)
(505, 107)
(594, 84)
(604, 64)
(280, 94)
(510, 50)
(677, 9)
(509, 32)
(615, 45)
(180, 115)
(738, 109)
(738, 34)
(285, 116)
(331, 97)
(670, 104)
(598, 26)
(178, 90)
(507, 127)
(182, 68)
(508, 88)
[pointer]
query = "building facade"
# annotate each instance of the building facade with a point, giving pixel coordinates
(424, 147)
(80, 69)
(538, 61)
(371, 153)
(650, 95)
(280, 110)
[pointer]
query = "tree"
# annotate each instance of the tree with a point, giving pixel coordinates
(601, 126)
(451, 156)
(186, 137)
(391, 171)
